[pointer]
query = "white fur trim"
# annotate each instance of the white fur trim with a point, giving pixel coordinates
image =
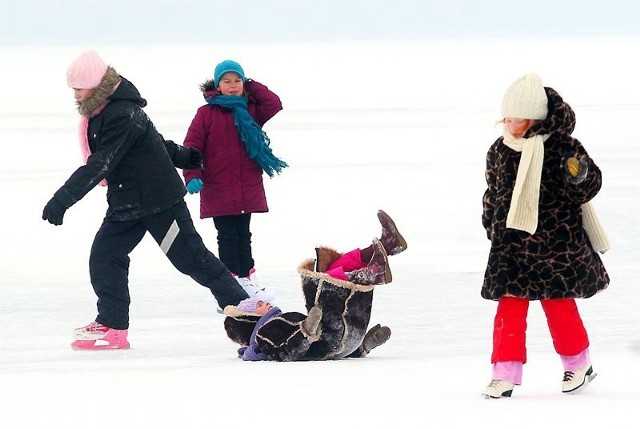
(305, 269)
(232, 311)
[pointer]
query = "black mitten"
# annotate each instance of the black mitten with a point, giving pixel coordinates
(54, 212)
(194, 161)
(575, 170)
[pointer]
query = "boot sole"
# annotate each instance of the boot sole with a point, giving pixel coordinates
(505, 394)
(587, 379)
(90, 345)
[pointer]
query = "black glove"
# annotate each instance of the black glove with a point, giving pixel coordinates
(575, 170)
(194, 160)
(54, 212)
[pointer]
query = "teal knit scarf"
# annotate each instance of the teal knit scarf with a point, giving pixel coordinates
(255, 139)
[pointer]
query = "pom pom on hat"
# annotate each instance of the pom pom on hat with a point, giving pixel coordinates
(86, 71)
(526, 99)
(248, 305)
(225, 67)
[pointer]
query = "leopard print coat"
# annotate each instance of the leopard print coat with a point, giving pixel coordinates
(557, 261)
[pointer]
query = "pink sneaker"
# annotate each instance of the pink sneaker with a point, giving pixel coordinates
(96, 336)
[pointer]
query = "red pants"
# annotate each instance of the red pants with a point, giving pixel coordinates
(346, 263)
(510, 326)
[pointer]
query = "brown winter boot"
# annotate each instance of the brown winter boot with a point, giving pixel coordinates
(391, 238)
(311, 325)
(375, 337)
(377, 272)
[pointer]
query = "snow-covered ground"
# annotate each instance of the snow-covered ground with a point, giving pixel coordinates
(399, 126)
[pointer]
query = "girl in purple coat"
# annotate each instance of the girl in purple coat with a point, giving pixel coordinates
(228, 132)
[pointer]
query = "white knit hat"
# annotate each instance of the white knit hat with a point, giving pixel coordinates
(525, 99)
(86, 71)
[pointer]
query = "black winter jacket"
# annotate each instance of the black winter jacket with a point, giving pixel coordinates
(127, 150)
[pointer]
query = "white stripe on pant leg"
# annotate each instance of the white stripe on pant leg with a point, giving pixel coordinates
(170, 237)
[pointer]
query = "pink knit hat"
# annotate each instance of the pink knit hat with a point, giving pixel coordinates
(86, 71)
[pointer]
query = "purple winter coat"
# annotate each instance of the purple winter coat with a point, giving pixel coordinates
(232, 181)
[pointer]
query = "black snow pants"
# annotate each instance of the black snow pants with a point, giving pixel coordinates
(234, 242)
(174, 231)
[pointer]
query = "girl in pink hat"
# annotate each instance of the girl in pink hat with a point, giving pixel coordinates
(123, 150)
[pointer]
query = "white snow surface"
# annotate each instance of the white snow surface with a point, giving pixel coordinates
(399, 126)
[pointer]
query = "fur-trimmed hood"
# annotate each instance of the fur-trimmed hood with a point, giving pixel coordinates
(106, 87)
(209, 90)
(112, 87)
(239, 326)
(208, 87)
(560, 119)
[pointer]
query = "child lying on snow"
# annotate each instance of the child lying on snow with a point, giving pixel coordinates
(338, 291)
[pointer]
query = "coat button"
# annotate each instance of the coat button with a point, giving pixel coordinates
(120, 186)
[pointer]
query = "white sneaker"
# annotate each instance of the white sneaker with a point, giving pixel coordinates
(573, 382)
(498, 389)
(253, 276)
(253, 290)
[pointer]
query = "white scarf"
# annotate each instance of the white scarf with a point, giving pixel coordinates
(523, 213)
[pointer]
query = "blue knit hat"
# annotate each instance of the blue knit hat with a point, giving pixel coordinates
(225, 67)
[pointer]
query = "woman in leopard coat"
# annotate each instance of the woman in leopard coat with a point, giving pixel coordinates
(543, 231)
